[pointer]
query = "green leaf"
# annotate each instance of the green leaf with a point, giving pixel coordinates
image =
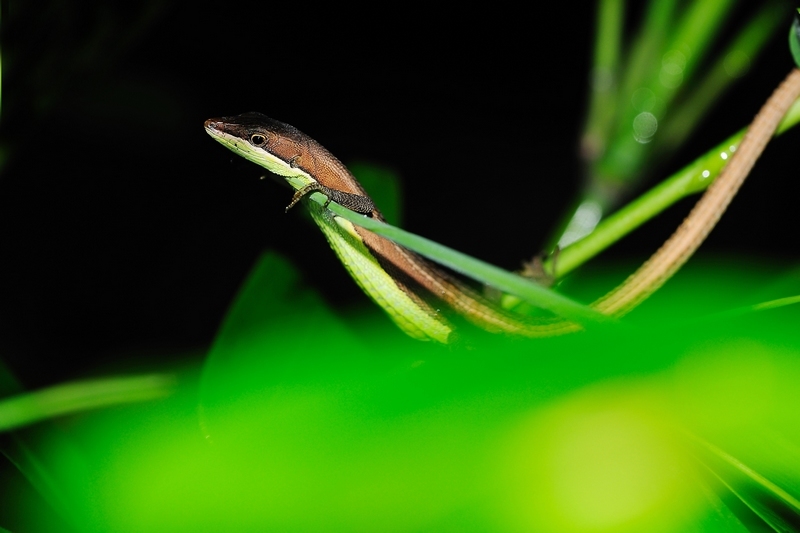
(274, 313)
(794, 39)
(28, 408)
(69, 398)
(768, 501)
(733, 63)
(693, 178)
(311, 431)
(604, 74)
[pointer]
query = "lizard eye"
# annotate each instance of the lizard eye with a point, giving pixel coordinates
(258, 139)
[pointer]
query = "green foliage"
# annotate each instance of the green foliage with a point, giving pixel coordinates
(648, 96)
(794, 40)
(314, 421)
(308, 418)
(69, 398)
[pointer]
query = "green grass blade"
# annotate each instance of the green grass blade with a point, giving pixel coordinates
(17, 451)
(503, 280)
(605, 70)
(20, 454)
(770, 502)
(794, 40)
(601, 191)
(689, 180)
(733, 63)
(686, 181)
(720, 517)
(745, 310)
(695, 32)
(609, 34)
(29, 408)
(631, 147)
(644, 59)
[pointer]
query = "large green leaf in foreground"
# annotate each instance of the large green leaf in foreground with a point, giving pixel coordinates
(313, 420)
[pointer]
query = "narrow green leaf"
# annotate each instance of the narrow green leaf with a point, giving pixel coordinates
(695, 33)
(692, 178)
(39, 475)
(762, 306)
(794, 39)
(15, 448)
(609, 118)
(731, 64)
(644, 58)
(605, 71)
(632, 145)
(774, 505)
(689, 180)
(29, 408)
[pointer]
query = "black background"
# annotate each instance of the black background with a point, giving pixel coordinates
(125, 230)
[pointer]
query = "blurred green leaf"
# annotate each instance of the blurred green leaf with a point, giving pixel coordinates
(307, 429)
(300, 418)
(604, 75)
(731, 64)
(312, 419)
(658, 101)
(273, 313)
(59, 400)
(39, 475)
(693, 178)
(771, 503)
(794, 40)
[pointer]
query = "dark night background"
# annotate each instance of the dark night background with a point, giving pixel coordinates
(125, 230)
